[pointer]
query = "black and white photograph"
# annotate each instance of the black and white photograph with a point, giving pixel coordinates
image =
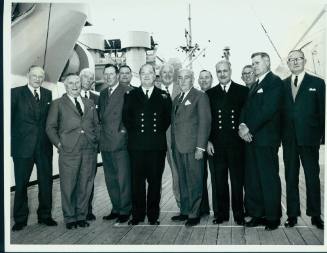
(164, 125)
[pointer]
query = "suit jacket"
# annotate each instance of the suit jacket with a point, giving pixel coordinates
(28, 119)
(190, 125)
(225, 111)
(95, 98)
(146, 119)
(262, 111)
(304, 117)
(66, 125)
(113, 133)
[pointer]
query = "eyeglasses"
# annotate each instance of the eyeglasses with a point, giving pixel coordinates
(293, 60)
(247, 73)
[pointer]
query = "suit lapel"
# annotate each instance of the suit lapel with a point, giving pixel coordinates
(288, 83)
(303, 86)
(70, 104)
(30, 100)
(189, 96)
(86, 106)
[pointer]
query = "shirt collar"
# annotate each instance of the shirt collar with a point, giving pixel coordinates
(38, 90)
(149, 90)
(299, 77)
(226, 85)
(170, 88)
(262, 77)
(113, 87)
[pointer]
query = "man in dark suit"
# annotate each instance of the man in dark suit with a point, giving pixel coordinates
(190, 129)
(205, 81)
(73, 127)
(30, 145)
(303, 130)
(113, 145)
(125, 75)
(146, 116)
(248, 76)
(227, 148)
(168, 85)
(260, 128)
(87, 80)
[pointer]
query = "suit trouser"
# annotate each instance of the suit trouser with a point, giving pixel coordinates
(204, 207)
(77, 170)
(146, 166)
(309, 156)
(90, 208)
(190, 173)
(173, 168)
(228, 159)
(262, 182)
(116, 167)
(23, 168)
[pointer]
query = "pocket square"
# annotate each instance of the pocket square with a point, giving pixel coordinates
(96, 106)
(48, 103)
(187, 102)
(260, 90)
(312, 89)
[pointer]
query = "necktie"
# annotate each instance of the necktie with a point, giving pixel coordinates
(224, 88)
(167, 90)
(85, 94)
(295, 81)
(110, 91)
(147, 94)
(36, 95)
(78, 107)
(254, 87)
(180, 100)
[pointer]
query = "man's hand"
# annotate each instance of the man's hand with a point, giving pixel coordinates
(244, 132)
(210, 148)
(198, 154)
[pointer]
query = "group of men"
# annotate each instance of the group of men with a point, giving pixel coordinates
(235, 129)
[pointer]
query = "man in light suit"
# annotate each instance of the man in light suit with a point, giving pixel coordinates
(167, 84)
(146, 115)
(30, 145)
(73, 127)
(87, 80)
(190, 129)
(303, 124)
(113, 145)
(227, 148)
(260, 128)
(205, 81)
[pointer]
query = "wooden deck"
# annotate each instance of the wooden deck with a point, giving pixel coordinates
(168, 232)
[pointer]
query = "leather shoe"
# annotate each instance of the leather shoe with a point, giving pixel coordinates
(48, 221)
(290, 222)
(181, 217)
(134, 221)
(90, 216)
(82, 223)
(192, 222)
(219, 220)
(18, 226)
(71, 225)
(154, 222)
(272, 225)
(254, 222)
(240, 221)
(317, 221)
(122, 218)
(111, 216)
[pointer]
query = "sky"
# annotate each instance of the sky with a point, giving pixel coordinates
(215, 24)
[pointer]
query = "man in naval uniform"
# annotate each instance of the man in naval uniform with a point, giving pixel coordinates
(146, 116)
(227, 148)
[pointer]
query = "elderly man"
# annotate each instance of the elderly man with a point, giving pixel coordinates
(87, 80)
(260, 128)
(248, 76)
(30, 145)
(167, 84)
(205, 81)
(146, 116)
(302, 132)
(227, 148)
(73, 127)
(113, 143)
(190, 129)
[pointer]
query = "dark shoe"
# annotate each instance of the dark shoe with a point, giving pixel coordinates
(254, 222)
(240, 221)
(71, 225)
(48, 221)
(122, 218)
(219, 220)
(192, 222)
(317, 221)
(90, 216)
(290, 222)
(134, 221)
(181, 217)
(82, 223)
(111, 216)
(154, 222)
(272, 225)
(18, 226)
